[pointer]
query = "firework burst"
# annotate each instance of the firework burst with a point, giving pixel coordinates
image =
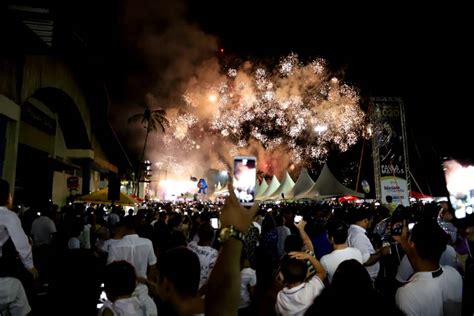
(295, 106)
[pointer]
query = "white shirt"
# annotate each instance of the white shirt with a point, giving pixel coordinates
(10, 227)
(331, 261)
(42, 230)
(448, 258)
(73, 243)
(85, 237)
(248, 277)
(297, 300)
(431, 296)
(357, 238)
(207, 259)
(104, 245)
(13, 297)
(113, 219)
(124, 307)
(135, 250)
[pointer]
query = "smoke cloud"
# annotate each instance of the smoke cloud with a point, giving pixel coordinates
(180, 73)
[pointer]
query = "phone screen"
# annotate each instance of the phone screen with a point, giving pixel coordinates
(215, 223)
(245, 177)
(460, 185)
(298, 219)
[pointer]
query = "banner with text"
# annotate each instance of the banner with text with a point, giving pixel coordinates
(390, 150)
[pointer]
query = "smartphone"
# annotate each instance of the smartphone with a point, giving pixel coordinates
(397, 229)
(215, 223)
(298, 219)
(245, 179)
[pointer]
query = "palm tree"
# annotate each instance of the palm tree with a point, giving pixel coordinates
(152, 121)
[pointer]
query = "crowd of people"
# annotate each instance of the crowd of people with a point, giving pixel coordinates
(203, 258)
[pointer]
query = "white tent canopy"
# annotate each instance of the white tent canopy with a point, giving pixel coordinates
(261, 188)
(303, 184)
(327, 186)
(286, 185)
(272, 187)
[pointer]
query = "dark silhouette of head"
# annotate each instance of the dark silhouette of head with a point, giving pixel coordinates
(293, 270)
(119, 279)
(337, 231)
(179, 273)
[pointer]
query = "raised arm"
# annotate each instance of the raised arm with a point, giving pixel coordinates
(308, 244)
(223, 287)
(320, 271)
(22, 245)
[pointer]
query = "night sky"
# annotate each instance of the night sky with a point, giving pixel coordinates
(422, 54)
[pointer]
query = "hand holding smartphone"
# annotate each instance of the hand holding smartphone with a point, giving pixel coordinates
(245, 179)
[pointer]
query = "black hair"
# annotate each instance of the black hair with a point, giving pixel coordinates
(4, 192)
(389, 199)
(279, 220)
(174, 220)
(162, 215)
(268, 223)
(205, 232)
(293, 243)
(119, 279)
(358, 214)
(129, 222)
(351, 274)
(429, 239)
(337, 230)
(180, 266)
(176, 239)
(293, 270)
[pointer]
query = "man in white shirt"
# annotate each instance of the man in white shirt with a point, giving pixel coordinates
(140, 254)
(433, 289)
(298, 295)
(448, 258)
(337, 235)
(113, 219)
(42, 230)
(13, 300)
(119, 283)
(10, 228)
(206, 254)
(357, 238)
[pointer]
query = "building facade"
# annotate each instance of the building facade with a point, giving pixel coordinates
(53, 116)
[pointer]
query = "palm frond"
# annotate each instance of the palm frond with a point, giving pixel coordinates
(160, 112)
(152, 125)
(162, 126)
(159, 121)
(135, 118)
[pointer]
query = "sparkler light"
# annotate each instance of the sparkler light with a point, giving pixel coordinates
(320, 128)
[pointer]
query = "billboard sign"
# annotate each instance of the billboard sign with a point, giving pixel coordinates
(390, 150)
